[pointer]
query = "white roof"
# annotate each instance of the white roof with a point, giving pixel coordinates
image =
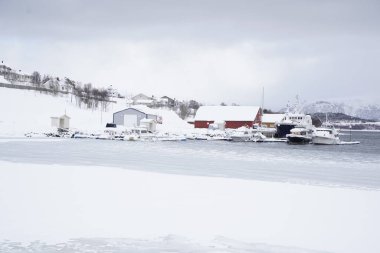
(145, 109)
(227, 113)
(143, 101)
(272, 118)
(147, 120)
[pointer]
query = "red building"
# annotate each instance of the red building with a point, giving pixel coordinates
(232, 116)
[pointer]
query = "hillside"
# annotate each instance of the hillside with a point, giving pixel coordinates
(355, 108)
(26, 111)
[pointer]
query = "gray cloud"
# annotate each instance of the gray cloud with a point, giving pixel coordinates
(212, 50)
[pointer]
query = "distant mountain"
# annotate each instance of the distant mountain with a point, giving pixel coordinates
(353, 108)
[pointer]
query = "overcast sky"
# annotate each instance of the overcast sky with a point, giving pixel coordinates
(211, 51)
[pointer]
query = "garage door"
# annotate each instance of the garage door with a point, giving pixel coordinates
(130, 120)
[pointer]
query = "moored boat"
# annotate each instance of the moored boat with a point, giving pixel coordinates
(299, 135)
(326, 135)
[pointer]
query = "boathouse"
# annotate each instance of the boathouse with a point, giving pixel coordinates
(233, 116)
(132, 116)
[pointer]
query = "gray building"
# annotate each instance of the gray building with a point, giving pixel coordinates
(131, 117)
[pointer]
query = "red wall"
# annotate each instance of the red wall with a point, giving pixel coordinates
(237, 124)
(230, 124)
(202, 124)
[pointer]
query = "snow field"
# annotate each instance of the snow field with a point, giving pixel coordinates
(61, 202)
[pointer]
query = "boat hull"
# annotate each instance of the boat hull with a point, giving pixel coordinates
(240, 138)
(283, 130)
(296, 139)
(322, 140)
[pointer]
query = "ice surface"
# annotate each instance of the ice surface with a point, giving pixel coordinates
(353, 166)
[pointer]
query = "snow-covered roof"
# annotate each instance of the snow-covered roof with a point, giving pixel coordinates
(227, 113)
(145, 109)
(143, 101)
(147, 121)
(141, 96)
(272, 118)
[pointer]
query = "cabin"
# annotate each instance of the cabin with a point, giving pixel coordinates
(232, 116)
(62, 122)
(269, 120)
(167, 101)
(142, 99)
(132, 116)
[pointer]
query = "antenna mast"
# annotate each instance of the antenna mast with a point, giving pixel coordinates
(262, 101)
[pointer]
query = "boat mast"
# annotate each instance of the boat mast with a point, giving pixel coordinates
(262, 102)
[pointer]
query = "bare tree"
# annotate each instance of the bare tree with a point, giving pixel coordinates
(184, 110)
(36, 79)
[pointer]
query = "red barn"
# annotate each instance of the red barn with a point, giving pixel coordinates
(233, 116)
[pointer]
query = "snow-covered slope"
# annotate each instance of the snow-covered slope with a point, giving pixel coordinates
(25, 111)
(357, 108)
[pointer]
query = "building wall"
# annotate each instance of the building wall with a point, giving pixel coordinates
(118, 117)
(269, 124)
(202, 124)
(237, 124)
(231, 124)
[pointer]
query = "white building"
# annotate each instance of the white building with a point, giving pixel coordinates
(61, 122)
(142, 99)
(269, 120)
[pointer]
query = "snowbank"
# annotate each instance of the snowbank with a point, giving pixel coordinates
(54, 203)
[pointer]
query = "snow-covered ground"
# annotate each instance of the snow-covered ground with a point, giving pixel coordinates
(26, 111)
(53, 203)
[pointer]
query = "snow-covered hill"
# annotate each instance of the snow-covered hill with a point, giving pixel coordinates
(24, 111)
(355, 108)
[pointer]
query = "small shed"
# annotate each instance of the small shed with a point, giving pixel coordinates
(149, 124)
(61, 122)
(233, 116)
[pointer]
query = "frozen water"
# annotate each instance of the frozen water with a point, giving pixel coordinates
(355, 166)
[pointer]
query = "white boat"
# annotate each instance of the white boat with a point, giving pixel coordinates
(81, 135)
(326, 135)
(299, 135)
(292, 119)
(258, 137)
(138, 134)
(243, 134)
(131, 137)
(217, 135)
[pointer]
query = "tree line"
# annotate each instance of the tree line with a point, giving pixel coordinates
(84, 94)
